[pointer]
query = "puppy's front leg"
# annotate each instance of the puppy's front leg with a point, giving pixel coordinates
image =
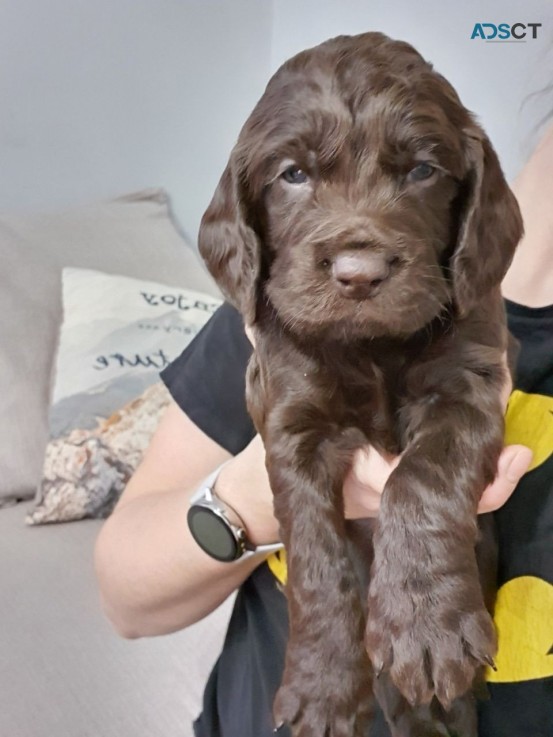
(427, 620)
(327, 677)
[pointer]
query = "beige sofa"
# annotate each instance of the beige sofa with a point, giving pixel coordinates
(63, 670)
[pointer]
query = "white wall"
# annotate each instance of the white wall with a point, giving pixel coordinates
(492, 79)
(101, 97)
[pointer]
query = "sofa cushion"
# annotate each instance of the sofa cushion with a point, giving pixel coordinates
(64, 671)
(132, 235)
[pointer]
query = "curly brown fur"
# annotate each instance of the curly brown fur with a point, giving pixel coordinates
(372, 283)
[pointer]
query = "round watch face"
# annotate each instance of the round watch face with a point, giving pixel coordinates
(212, 533)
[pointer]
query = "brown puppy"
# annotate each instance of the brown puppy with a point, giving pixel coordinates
(363, 226)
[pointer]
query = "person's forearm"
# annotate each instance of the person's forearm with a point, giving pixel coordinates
(152, 575)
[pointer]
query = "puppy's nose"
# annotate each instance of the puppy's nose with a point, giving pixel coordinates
(358, 274)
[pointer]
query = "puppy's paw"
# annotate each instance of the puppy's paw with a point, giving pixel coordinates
(329, 702)
(430, 647)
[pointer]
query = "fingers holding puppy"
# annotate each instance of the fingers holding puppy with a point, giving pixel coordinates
(370, 470)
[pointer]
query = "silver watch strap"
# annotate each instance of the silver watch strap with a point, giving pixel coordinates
(206, 491)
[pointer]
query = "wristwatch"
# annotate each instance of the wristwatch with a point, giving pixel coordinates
(213, 530)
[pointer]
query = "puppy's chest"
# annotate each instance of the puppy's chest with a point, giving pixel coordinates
(337, 387)
(368, 394)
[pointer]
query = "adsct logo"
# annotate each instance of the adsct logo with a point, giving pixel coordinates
(505, 33)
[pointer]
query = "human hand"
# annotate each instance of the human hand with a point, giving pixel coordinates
(367, 477)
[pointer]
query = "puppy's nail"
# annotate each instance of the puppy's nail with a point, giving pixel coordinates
(378, 668)
(490, 661)
(278, 727)
(411, 698)
(447, 698)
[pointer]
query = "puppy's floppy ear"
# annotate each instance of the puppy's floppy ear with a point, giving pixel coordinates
(229, 245)
(490, 225)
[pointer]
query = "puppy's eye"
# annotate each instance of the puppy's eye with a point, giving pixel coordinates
(294, 175)
(424, 170)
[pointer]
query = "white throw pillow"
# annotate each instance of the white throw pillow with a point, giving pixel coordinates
(118, 333)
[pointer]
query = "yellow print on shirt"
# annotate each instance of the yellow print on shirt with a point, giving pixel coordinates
(524, 606)
(529, 421)
(524, 623)
(277, 564)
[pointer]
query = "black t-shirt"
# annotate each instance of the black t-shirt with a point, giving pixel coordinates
(207, 382)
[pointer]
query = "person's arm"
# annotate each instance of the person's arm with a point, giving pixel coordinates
(153, 577)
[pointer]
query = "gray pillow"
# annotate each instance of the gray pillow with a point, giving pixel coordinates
(132, 235)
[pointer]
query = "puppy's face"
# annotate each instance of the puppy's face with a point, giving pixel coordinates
(357, 188)
(358, 212)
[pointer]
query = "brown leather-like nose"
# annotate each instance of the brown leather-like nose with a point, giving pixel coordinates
(358, 274)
